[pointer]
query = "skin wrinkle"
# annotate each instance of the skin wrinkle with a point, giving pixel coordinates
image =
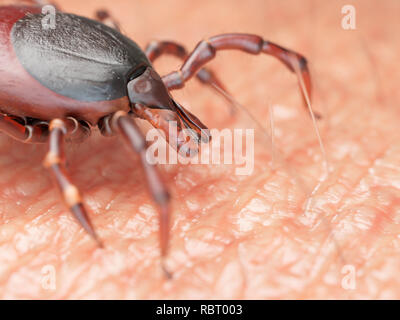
(353, 185)
(282, 252)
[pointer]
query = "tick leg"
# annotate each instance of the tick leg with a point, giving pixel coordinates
(55, 161)
(132, 135)
(253, 44)
(77, 130)
(16, 128)
(105, 17)
(157, 48)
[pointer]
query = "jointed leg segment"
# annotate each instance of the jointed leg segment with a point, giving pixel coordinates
(55, 161)
(120, 122)
(157, 48)
(253, 44)
(16, 128)
(123, 123)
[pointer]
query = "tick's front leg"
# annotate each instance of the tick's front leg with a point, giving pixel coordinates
(206, 50)
(122, 123)
(156, 49)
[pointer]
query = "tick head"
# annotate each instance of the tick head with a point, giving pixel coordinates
(150, 100)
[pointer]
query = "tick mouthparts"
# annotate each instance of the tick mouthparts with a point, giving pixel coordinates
(195, 126)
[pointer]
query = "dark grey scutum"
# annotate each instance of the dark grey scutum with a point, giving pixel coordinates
(81, 58)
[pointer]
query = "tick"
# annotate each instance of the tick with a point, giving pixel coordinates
(57, 84)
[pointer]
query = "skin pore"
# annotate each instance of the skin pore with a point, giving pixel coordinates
(286, 230)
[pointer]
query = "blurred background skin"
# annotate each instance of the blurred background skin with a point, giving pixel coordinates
(232, 237)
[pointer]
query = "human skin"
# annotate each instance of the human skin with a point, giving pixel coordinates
(285, 231)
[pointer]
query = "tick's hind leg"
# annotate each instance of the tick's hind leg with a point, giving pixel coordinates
(253, 44)
(37, 131)
(19, 129)
(55, 161)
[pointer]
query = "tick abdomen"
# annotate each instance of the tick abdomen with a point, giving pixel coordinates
(81, 58)
(77, 69)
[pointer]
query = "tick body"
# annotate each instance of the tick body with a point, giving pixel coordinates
(57, 84)
(79, 69)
